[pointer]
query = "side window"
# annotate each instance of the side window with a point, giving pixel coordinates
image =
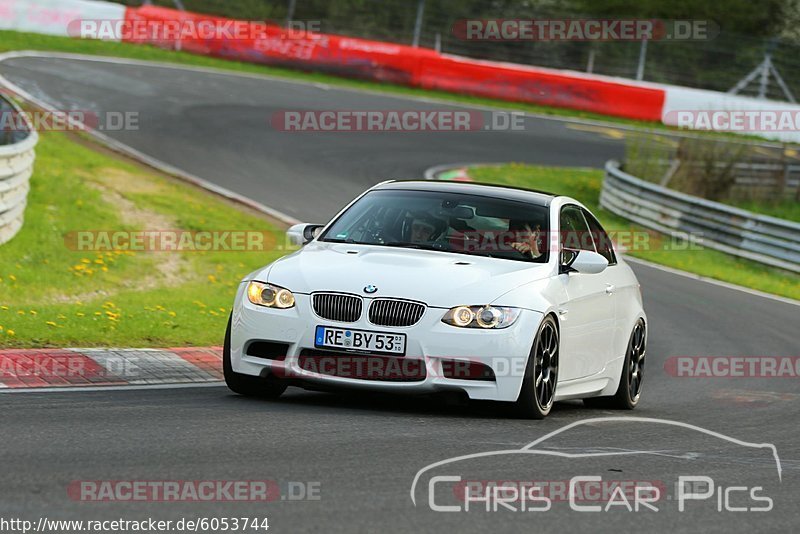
(604, 245)
(575, 234)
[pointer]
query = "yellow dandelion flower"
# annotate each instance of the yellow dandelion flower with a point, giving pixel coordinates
(51, 323)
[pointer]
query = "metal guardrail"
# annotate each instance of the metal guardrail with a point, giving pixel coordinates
(764, 239)
(780, 178)
(16, 168)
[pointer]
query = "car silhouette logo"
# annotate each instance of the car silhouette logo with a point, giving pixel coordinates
(370, 289)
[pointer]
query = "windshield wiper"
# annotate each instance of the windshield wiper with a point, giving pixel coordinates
(525, 258)
(349, 241)
(419, 246)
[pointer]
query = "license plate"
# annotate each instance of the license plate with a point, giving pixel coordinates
(344, 338)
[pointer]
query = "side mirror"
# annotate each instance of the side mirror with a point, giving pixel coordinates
(301, 234)
(582, 261)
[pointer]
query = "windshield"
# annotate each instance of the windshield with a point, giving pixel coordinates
(445, 222)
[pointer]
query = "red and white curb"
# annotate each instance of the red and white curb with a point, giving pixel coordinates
(451, 172)
(54, 368)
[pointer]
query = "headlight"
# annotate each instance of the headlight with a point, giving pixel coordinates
(270, 296)
(481, 316)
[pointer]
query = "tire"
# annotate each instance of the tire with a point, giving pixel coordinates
(537, 396)
(250, 386)
(630, 383)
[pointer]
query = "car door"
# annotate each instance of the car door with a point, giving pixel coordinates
(587, 316)
(618, 285)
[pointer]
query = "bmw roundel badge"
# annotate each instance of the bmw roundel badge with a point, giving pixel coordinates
(370, 289)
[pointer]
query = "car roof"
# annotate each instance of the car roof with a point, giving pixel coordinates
(519, 194)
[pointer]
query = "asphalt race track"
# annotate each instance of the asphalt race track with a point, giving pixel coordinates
(218, 127)
(365, 450)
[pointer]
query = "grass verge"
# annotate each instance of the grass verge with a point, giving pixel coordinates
(53, 295)
(783, 209)
(585, 184)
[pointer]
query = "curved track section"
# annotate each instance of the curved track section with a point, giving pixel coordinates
(217, 127)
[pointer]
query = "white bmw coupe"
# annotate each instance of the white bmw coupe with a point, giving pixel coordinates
(501, 293)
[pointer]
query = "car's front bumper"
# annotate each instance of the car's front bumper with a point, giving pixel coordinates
(430, 345)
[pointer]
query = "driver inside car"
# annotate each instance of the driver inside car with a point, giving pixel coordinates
(527, 240)
(421, 231)
(425, 228)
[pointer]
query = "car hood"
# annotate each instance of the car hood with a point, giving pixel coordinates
(439, 279)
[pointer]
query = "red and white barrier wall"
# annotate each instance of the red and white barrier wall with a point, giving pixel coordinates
(416, 67)
(52, 17)
(694, 108)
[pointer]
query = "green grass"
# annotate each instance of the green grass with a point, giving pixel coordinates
(10, 41)
(648, 157)
(788, 209)
(584, 185)
(53, 295)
